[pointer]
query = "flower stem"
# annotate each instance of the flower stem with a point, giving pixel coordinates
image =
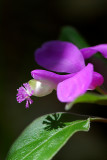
(98, 119)
(100, 90)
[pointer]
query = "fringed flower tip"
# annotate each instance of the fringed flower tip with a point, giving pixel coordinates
(24, 93)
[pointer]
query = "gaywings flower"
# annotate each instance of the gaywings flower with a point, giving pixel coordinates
(65, 57)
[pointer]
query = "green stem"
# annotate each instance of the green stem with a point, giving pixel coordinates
(100, 90)
(98, 119)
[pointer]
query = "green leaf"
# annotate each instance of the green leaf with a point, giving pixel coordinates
(70, 34)
(43, 138)
(88, 98)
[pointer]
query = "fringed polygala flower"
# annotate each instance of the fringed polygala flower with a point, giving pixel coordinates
(62, 57)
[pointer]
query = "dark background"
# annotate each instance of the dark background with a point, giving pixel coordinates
(24, 26)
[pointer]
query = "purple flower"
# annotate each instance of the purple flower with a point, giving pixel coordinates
(24, 93)
(66, 57)
(62, 57)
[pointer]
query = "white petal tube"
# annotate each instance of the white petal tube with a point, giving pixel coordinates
(41, 88)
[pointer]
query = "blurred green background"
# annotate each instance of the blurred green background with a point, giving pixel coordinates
(24, 26)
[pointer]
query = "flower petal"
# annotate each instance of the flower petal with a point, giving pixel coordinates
(90, 51)
(97, 80)
(60, 57)
(75, 86)
(43, 75)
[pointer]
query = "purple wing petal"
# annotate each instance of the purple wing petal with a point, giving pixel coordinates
(60, 57)
(97, 80)
(51, 77)
(90, 51)
(75, 86)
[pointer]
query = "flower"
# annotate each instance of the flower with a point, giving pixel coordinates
(64, 57)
